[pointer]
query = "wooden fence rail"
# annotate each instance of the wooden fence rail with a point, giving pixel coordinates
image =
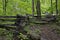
(16, 19)
(18, 22)
(8, 24)
(8, 16)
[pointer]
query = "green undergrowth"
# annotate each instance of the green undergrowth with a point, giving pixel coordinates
(5, 34)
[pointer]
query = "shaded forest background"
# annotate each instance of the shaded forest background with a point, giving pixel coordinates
(23, 7)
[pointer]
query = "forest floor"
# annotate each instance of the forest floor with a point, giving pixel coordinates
(45, 31)
(49, 32)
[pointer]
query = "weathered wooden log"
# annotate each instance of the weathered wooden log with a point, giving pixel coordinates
(8, 20)
(6, 27)
(51, 18)
(7, 17)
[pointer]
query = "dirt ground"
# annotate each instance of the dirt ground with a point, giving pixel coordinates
(44, 31)
(48, 32)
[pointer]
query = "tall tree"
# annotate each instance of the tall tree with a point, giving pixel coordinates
(38, 9)
(4, 6)
(51, 7)
(33, 7)
(56, 8)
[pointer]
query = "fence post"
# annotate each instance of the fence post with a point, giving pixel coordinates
(19, 27)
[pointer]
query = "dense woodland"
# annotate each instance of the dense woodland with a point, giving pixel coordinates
(32, 19)
(25, 6)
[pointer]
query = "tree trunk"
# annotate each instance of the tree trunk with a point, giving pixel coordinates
(33, 7)
(56, 8)
(51, 7)
(38, 9)
(4, 6)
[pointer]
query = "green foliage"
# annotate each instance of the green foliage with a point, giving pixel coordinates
(25, 6)
(7, 34)
(23, 37)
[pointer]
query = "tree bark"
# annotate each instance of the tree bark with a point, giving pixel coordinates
(4, 6)
(33, 7)
(51, 7)
(56, 8)
(38, 9)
